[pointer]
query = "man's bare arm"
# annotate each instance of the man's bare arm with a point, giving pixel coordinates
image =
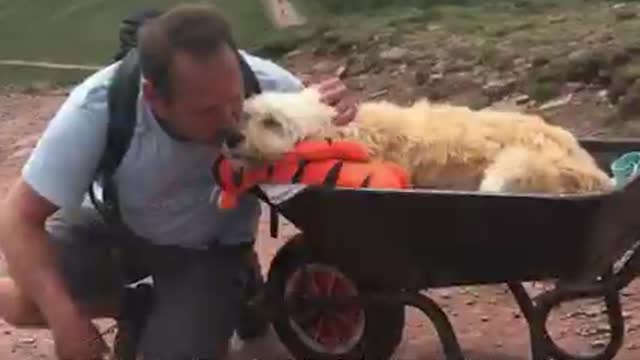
(29, 255)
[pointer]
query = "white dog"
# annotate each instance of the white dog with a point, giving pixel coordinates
(442, 146)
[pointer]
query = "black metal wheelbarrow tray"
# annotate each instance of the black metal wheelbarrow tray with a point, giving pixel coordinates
(340, 287)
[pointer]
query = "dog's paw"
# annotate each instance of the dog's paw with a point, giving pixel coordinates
(493, 184)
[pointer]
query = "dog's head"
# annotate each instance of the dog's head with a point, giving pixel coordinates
(273, 123)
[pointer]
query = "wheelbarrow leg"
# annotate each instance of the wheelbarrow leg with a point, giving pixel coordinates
(537, 344)
(448, 339)
(537, 312)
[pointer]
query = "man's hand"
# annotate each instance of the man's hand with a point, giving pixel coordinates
(77, 338)
(335, 93)
(32, 265)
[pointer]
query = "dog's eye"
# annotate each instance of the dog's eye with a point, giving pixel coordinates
(271, 123)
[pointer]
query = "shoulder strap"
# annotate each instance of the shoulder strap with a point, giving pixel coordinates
(122, 100)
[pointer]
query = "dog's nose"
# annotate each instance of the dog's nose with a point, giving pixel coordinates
(234, 139)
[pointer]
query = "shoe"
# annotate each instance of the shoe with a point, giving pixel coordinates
(136, 306)
(254, 320)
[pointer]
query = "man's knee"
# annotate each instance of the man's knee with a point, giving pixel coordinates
(196, 309)
(16, 309)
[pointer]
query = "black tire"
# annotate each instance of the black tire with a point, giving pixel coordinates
(383, 323)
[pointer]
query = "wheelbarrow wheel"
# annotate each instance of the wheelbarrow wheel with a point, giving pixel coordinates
(352, 331)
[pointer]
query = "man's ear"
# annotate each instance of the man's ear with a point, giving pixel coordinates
(153, 98)
(149, 92)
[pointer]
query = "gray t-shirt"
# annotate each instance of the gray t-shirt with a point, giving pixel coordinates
(166, 191)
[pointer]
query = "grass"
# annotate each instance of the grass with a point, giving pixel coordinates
(85, 31)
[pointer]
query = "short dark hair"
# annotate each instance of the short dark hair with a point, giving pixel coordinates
(196, 29)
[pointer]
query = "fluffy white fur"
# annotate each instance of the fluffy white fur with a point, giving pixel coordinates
(442, 146)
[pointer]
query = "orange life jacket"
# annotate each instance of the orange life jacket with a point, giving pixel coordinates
(314, 162)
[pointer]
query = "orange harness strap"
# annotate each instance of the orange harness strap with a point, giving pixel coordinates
(328, 163)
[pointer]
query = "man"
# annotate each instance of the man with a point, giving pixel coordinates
(59, 252)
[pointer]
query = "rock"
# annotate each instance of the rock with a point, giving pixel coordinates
(632, 48)
(520, 62)
(21, 153)
(436, 77)
(458, 66)
(445, 294)
(439, 67)
(555, 19)
(624, 14)
(378, 94)
(583, 65)
(556, 103)
(470, 302)
(598, 344)
(626, 293)
(543, 91)
(473, 98)
(539, 60)
(26, 341)
(484, 318)
(323, 67)
(575, 86)
(594, 310)
(421, 77)
(358, 67)
(629, 103)
(331, 37)
(497, 89)
(293, 54)
(601, 329)
(394, 54)
(621, 79)
(522, 99)
(618, 56)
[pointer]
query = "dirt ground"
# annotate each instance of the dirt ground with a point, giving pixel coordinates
(486, 319)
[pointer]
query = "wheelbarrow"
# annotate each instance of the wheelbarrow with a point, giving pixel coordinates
(339, 288)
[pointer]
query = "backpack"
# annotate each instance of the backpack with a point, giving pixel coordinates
(122, 102)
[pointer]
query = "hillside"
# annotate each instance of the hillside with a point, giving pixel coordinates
(576, 61)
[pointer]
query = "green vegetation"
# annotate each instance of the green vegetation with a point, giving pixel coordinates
(85, 31)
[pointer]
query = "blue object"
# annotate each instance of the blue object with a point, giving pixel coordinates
(625, 168)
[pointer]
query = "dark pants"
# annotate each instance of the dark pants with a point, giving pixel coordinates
(197, 294)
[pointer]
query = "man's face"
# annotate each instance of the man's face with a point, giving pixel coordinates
(206, 96)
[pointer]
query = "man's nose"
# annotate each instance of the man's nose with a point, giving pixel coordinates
(234, 139)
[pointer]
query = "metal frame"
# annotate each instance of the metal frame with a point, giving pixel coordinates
(536, 311)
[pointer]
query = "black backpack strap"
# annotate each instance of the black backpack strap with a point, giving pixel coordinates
(129, 26)
(123, 98)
